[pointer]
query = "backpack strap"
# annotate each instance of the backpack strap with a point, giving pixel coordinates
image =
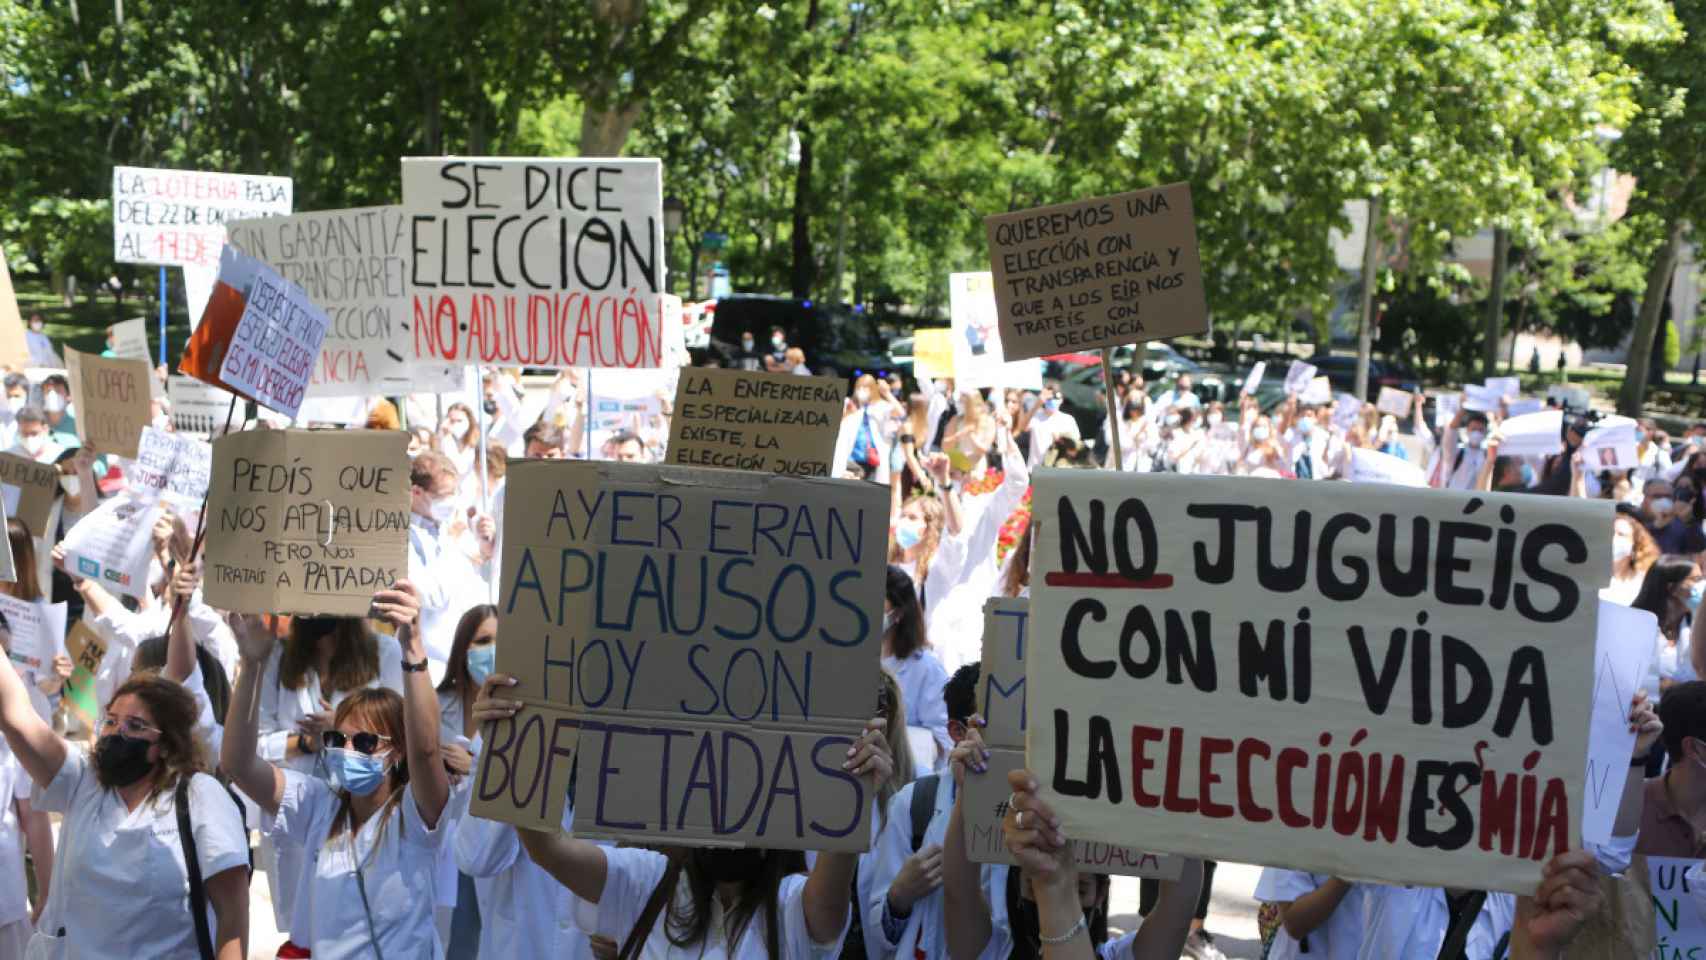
(198, 893)
(649, 916)
(923, 807)
(1463, 911)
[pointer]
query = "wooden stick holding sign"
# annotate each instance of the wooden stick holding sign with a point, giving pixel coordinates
(1113, 405)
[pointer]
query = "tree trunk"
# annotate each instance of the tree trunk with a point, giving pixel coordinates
(1365, 316)
(1496, 304)
(1634, 393)
(604, 131)
(805, 265)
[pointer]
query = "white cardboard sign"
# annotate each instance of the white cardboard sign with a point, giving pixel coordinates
(1372, 466)
(1623, 652)
(978, 358)
(1298, 376)
(178, 217)
(1254, 378)
(275, 348)
(130, 339)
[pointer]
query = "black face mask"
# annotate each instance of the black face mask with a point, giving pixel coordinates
(490, 406)
(740, 865)
(121, 761)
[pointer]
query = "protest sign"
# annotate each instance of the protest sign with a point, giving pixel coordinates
(764, 422)
(1254, 379)
(1610, 445)
(178, 217)
(1623, 653)
(260, 336)
(1346, 408)
(33, 629)
(86, 649)
(174, 466)
(1523, 405)
(979, 360)
(38, 485)
(933, 353)
(1394, 401)
(534, 262)
(1567, 395)
(14, 347)
(1001, 700)
(1298, 376)
(113, 401)
(1199, 627)
(306, 521)
(1532, 435)
(201, 409)
(113, 544)
(353, 264)
(1504, 387)
(1097, 273)
(1446, 406)
(713, 633)
(1680, 925)
(1372, 466)
(130, 339)
(1318, 393)
(1480, 399)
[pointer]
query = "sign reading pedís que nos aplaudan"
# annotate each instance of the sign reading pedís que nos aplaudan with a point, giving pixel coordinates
(709, 636)
(534, 262)
(1097, 273)
(1001, 700)
(1349, 679)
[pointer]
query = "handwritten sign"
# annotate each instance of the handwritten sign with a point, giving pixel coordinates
(1623, 652)
(130, 339)
(979, 359)
(933, 353)
(1446, 406)
(1349, 680)
(178, 217)
(1394, 401)
(1001, 700)
(765, 422)
(14, 346)
(86, 649)
(33, 629)
(536, 262)
(1681, 928)
(260, 336)
(1346, 409)
(354, 264)
(38, 486)
(1298, 376)
(173, 466)
(714, 635)
(113, 401)
(1481, 399)
(202, 409)
(1097, 273)
(302, 521)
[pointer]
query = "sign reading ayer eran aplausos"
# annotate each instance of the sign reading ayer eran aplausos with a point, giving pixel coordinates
(1355, 680)
(1097, 273)
(709, 637)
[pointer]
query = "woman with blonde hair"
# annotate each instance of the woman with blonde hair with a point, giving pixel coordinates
(971, 433)
(459, 439)
(915, 533)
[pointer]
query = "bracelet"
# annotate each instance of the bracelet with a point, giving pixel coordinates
(416, 667)
(1640, 761)
(1066, 937)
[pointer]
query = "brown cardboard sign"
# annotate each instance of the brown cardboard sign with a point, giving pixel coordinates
(306, 521)
(776, 423)
(38, 485)
(1097, 273)
(14, 348)
(1002, 702)
(714, 634)
(113, 401)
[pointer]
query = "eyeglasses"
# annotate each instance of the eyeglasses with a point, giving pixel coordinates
(363, 742)
(130, 725)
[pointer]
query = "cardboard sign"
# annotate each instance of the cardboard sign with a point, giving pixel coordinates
(1397, 402)
(34, 630)
(1097, 273)
(1254, 378)
(113, 401)
(353, 264)
(173, 466)
(87, 650)
(1215, 651)
(1298, 376)
(1372, 466)
(1446, 406)
(1001, 700)
(1346, 409)
(1481, 399)
(130, 339)
(14, 347)
(1681, 928)
(178, 217)
(302, 521)
(38, 486)
(764, 422)
(202, 409)
(260, 336)
(979, 360)
(713, 633)
(1507, 388)
(1623, 653)
(114, 544)
(933, 353)
(534, 262)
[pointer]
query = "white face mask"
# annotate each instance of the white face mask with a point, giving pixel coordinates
(35, 444)
(1215, 419)
(458, 427)
(1259, 434)
(15, 403)
(443, 510)
(862, 395)
(1662, 504)
(1476, 437)
(52, 402)
(1621, 546)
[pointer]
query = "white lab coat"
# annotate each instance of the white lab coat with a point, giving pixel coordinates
(1338, 939)
(963, 572)
(525, 914)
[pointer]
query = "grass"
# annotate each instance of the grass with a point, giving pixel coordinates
(83, 325)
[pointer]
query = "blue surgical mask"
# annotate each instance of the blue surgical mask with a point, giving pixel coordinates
(1527, 475)
(907, 533)
(346, 769)
(1051, 404)
(481, 661)
(1305, 427)
(1696, 594)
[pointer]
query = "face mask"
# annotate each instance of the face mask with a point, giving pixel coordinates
(746, 343)
(1259, 434)
(490, 406)
(1640, 436)
(121, 761)
(1527, 475)
(1051, 404)
(907, 533)
(443, 510)
(1476, 437)
(778, 342)
(863, 396)
(1696, 594)
(481, 661)
(1215, 419)
(52, 402)
(1305, 427)
(346, 769)
(1172, 420)
(15, 403)
(1622, 546)
(458, 427)
(740, 865)
(1662, 504)
(35, 444)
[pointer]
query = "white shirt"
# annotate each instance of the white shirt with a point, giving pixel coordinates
(1173, 398)
(920, 678)
(1338, 939)
(448, 586)
(120, 886)
(1408, 923)
(963, 572)
(14, 785)
(1045, 428)
(631, 874)
(525, 914)
(398, 853)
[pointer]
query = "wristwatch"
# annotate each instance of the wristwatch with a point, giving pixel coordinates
(1640, 761)
(304, 743)
(417, 667)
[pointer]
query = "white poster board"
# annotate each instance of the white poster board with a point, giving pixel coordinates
(1532, 434)
(113, 544)
(1298, 376)
(130, 339)
(1623, 653)
(1610, 445)
(1254, 378)
(1372, 466)
(178, 217)
(978, 358)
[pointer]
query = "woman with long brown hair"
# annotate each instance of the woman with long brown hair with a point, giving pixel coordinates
(371, 815)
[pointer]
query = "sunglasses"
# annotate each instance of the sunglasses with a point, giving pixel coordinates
(362, 742)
